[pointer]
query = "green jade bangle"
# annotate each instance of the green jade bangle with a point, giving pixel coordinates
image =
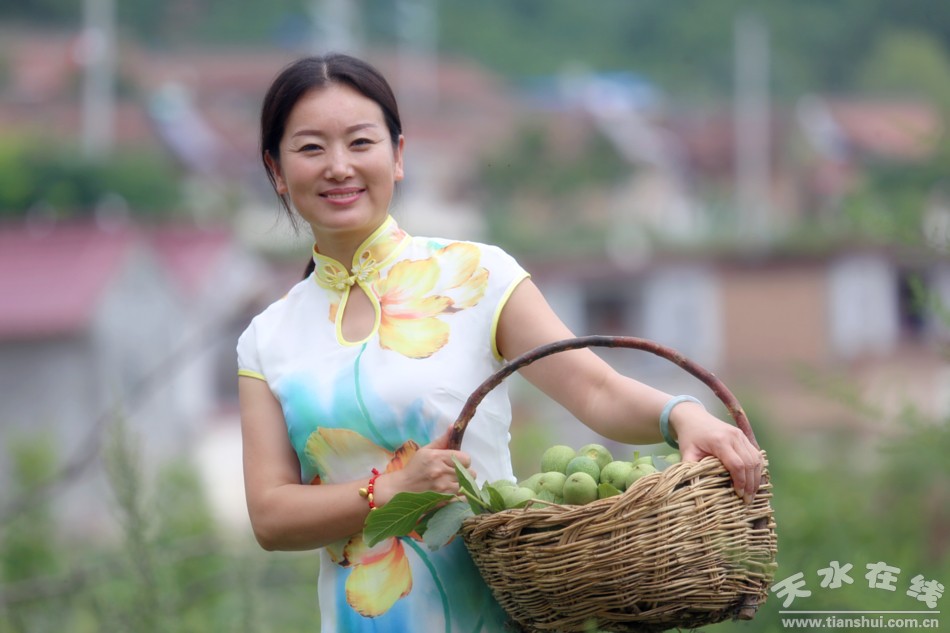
(665, 417)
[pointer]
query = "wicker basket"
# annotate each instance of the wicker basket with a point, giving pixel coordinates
(677, 549)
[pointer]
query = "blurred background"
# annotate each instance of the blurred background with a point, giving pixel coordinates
(762, 186)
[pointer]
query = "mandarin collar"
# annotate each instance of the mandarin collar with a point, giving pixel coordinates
(374, 253)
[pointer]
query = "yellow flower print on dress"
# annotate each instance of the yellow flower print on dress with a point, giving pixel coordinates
(416, 293)
(381, 574)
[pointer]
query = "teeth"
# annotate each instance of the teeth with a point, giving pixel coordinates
(340, 196)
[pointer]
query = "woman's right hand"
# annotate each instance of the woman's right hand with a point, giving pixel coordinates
(431, 468)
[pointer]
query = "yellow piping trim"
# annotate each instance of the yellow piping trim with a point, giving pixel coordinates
(382, 228)
(497, 316)
(396, 252)
(251, 374)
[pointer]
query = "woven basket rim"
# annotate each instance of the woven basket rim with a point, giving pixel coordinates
(681, 470)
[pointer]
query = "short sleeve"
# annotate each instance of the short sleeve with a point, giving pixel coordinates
(248, 356)
(509, 274)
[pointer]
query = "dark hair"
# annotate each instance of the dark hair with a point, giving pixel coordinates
(308, 73)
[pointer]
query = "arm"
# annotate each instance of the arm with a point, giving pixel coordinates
(288, 515)
(613, 405)
(284, 513)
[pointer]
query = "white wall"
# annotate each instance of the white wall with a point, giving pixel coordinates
(681, 309)
(864, 306)
(938, 314)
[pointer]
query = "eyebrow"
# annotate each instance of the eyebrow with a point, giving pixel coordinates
(349, 130)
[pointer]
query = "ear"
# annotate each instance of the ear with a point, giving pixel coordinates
(274, 167)
(398, 173)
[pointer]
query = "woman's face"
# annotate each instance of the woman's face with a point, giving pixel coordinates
(337, 163)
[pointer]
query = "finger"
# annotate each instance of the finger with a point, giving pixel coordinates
(739, 481)
(753, 461)
(751, 485)
(691, 454)
(464, 458)
(734, 463)
(757, 471)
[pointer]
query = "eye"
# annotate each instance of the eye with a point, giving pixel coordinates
(309, 148)
(363, 142)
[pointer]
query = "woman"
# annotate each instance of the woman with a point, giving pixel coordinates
(352, 380)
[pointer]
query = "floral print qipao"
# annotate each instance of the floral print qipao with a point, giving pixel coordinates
(351, 406)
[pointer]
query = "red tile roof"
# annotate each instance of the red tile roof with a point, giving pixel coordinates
(906, 130)
(51, 279)
(190, 255)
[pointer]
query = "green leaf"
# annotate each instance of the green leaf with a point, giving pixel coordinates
(400, 516)
(606, 490)
(445, 524)
(479, 501)
(495, 500)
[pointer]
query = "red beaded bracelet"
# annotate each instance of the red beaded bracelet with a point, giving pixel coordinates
(367, 492)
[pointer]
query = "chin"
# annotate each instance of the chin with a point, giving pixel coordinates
(347, 220)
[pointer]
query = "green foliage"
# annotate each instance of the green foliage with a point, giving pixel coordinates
(686, 46)
(533, 170)
(401, 515)
(45, 11)
(914, 480)
(243, 21)
(885, 71)
(437, 516)
(835, 503)
(171, 570)
(445, 524)
(531, 163)
(63, 183)
(28, 545)
(889, 204)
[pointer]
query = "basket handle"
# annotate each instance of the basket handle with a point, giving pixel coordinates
(707, 377)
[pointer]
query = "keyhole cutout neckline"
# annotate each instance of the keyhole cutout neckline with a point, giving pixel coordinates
(351, 313)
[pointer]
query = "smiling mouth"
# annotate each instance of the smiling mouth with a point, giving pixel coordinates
(342, 196)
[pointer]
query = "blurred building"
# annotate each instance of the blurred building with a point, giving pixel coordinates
(101, 325)
(807, 336)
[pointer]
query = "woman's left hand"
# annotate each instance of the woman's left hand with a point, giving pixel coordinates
(700, 434)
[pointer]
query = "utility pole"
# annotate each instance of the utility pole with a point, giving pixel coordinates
(752, 129)
(97, 51)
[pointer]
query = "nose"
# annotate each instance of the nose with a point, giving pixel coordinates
(338, 165)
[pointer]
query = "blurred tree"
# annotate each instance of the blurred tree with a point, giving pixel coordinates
(892, 199)
(28, 544)
(551, 181)
(885, 71)
(63, 183)
(686, 46)
(55, 12)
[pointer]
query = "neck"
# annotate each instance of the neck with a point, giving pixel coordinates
(345, 264)
(341, 246)
(335, 248)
